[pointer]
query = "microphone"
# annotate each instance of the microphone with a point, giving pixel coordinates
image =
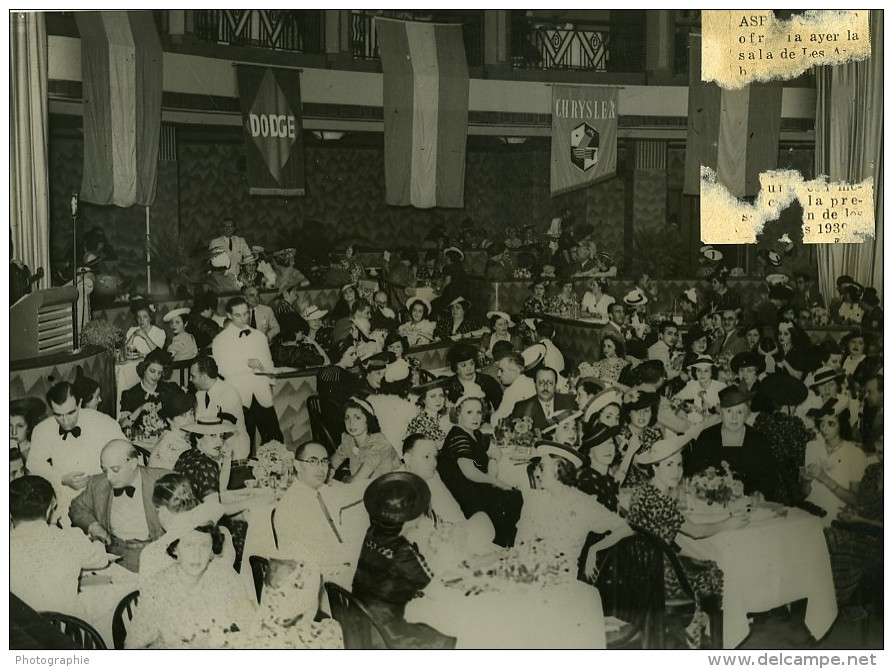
(74, 203)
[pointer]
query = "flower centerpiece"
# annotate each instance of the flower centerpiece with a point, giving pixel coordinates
(274, 465)
(714, 488)
(102, 333)
(529, 563)
(150, 425)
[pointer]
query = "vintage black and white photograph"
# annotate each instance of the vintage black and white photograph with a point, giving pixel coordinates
(417, 329)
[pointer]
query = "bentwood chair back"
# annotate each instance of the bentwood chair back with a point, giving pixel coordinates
(79, 632)
(122, 618)
(326, 422)
(359, 628)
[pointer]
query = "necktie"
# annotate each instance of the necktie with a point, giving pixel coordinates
(244, 333)
(129, 489)
(207, 400)
(74, 432)
(230, 243)
(253, 322)
(328, 516)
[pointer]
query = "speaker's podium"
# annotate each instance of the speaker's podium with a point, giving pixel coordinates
(42, 349)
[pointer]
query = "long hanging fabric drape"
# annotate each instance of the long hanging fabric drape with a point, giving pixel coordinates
(849, 147)
(29, 219)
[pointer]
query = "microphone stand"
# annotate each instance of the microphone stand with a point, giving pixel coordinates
(74, 267)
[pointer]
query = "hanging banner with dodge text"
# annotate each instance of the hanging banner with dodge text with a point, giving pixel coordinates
(584, 136)
(271, 120)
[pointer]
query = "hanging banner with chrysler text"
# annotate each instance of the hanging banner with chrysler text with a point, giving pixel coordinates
(584, 136)
(271, 120)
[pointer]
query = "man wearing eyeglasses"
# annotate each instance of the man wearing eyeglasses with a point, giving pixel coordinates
(729, 341)
(324, 520)
(116, 506)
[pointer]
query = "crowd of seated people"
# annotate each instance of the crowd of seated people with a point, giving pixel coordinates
(798, 421)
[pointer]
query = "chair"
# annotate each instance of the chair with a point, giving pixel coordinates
(326, 422)
(125, 607)
(631, 583)
(259, 567)
(80, 633)
(360, 630)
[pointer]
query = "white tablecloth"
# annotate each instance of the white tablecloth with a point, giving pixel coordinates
(100, 593)
(518, 616)
(767, 564)
(512, 468)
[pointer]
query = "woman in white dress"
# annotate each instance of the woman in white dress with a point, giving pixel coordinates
(144, 336)
(595, 301)
(418, 330)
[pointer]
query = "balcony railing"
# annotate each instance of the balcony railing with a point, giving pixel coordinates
(285, 30)
(364, 38)
(598, 47)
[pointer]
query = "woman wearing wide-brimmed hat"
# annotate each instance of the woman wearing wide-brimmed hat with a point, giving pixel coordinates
(454, 275)
(655, 507)
(737, 443)
(500, 325)
(703, 389)
(181, 345)
(390, 570)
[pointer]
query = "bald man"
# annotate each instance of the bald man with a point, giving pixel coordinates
(116, 506)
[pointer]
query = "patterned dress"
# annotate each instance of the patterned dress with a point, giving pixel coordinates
(634, 475)
(787, 437)
(533, 306)
(376, 450)
(603, 487)
(857, 547)
(426, 424)
(606, 369)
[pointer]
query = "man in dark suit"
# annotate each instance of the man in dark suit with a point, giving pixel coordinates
(543, 407)
(730, 341)
(116, 506)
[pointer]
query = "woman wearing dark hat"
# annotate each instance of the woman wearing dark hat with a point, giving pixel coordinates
(777, 397)
(468, 379)
(338, 381)
(432, 405)
(873, 316)
(24, 414)
(178, 409)
(560, 515)
(853, 344)
(850, 313)
(735, 442)
(638, 431)
(695, 342)
(454, 281)
(456, 321)
(499, 263)
(391, 571)
(655, 507)
(602, 478)
(463, 464)
(143, 400)
(748, 367)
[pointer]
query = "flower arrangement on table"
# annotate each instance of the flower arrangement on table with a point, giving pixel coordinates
(274, 465)
(522, 273)
(548, 272)
(517, 432)
(102, 333)
(531, 563)
(714, 488)
(149, 426)
(820, 316)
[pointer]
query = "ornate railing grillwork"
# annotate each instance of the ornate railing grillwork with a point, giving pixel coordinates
(285, 30)
(601, 48)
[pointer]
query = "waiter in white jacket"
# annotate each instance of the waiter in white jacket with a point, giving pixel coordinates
(242, 355)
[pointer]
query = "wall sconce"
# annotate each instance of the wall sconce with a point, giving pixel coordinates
(513, 140)
(328, 135)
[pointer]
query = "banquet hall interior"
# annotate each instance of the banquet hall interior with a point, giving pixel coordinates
(404, 329)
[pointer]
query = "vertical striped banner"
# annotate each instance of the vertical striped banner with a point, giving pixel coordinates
(734, 132)
(425, 90)
(121, 61)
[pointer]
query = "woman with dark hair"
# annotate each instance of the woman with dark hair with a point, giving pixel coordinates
(793, 344)
(391, 571)
(397, 345)
(345, 302)
(639, 430)
(144, 336)
(182, 345)
(833, 463)
(612, 363)
(720, 297)
(338, 382)
(463, 464)
(86, 391)
(290, 348)
(454, 281)
(595, 300)
(192, 602)
(468, 379)
(178, 409)
(363, 445)
(849, 312)
(141, 402)
(603, 475)
(24, 414)
(418, 329)
(456, 322)
(432, 403)
(547, 517)
(500, 324)
(535, 304)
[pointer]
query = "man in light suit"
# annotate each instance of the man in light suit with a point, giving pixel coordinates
(543, 407)
(260, 316)
(116, 506)
(241, 352)
(236, 247)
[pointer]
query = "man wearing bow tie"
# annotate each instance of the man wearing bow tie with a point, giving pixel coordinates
(215, 397)
(242, 355)
(65, 448)
(116, 506)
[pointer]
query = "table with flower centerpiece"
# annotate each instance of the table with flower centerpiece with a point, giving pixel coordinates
(779, 557)
(522, 597)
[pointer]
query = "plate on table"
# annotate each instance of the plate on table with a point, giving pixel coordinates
(705, 517)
